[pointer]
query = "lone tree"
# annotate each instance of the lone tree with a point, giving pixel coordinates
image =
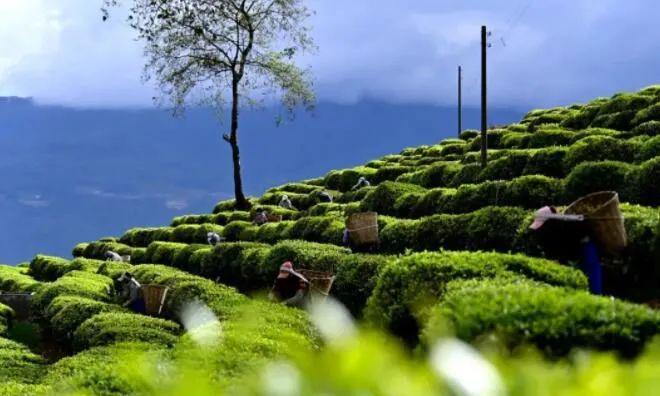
(206, 50)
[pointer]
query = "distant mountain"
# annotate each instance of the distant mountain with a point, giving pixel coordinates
(70, 175)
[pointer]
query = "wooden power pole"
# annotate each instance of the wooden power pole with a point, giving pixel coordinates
(484, 103)
(460, 101)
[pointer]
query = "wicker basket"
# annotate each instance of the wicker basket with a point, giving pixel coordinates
(320, 284)
(363, 228)
(603, 218)
(154, 298)
(274, 218)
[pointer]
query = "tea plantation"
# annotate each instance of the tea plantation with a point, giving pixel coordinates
(457, 261)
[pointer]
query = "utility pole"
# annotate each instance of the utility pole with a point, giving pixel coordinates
(484, 111)
(460, 102)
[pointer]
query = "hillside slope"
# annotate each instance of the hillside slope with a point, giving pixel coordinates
(455, 249)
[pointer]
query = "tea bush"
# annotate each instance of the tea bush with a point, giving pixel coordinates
(109, 328)
(143, 237)
(14, 279)
(649, 188)
(411, 283)
(67, 313)
(601, 176)
(651, 128)
(76, 283)
(6, 316)
(650, 149)
(19, 365)
(48, 268)
(599, 148)
(554, 319)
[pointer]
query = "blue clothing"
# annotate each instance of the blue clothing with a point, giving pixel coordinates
(138, 306)
(591, 267)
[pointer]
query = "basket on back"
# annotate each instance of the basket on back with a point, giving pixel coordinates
(154, 298)
(272, 218)
(363, 228)
(603, 219)
(320, 284)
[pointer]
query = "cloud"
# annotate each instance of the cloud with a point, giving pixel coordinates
(175, 200)
(544, 53)
(35, 201)
(176, 204)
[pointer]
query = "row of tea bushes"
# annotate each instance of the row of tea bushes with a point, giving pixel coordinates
(16, 280)
(554, 319)
(635, 184)
(6, 316)
(20, 370)
(408, 286)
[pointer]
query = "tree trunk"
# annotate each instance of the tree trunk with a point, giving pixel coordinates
(241, 202)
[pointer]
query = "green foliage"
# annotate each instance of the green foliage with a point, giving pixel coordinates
(113, 269)
(97, 250)
(469, 134)
(592, 177)
(406, 287)
(599, 148)
(649, 188)
(163, 252)
(550, 137)
(6, 315)
(515, 140)
(76, 283)
(191, 233)
(142, 237)
(19, 365)
(109, 328)
(651, 113)
(505, 168)
(346, 179)
(238, 230)
(651, 128)
(303, 254)
(383, 198)
(224, 262)
(193, 219)
(485, 229)
(554, 319)
(48, 268)
(327, 229)
(13, 279)
(79, 249)
(67, 313)
(650, 149)
(300, 188)
(389, 173)
(356, 278)
(547, 162)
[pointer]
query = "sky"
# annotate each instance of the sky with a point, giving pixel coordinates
(544, 52)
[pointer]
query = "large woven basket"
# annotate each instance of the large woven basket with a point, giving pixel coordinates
(603, 218)
(272, 218)
(154, 298)
(320, 284)
(363, 228)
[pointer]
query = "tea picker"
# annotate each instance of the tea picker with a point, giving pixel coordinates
(112, 256)
(291, 288)
(261, 217)
(298, 288)
(213, 238)
(285, 203)
(132, 293)
(325, 196)
(362, 182)
(589, 226)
